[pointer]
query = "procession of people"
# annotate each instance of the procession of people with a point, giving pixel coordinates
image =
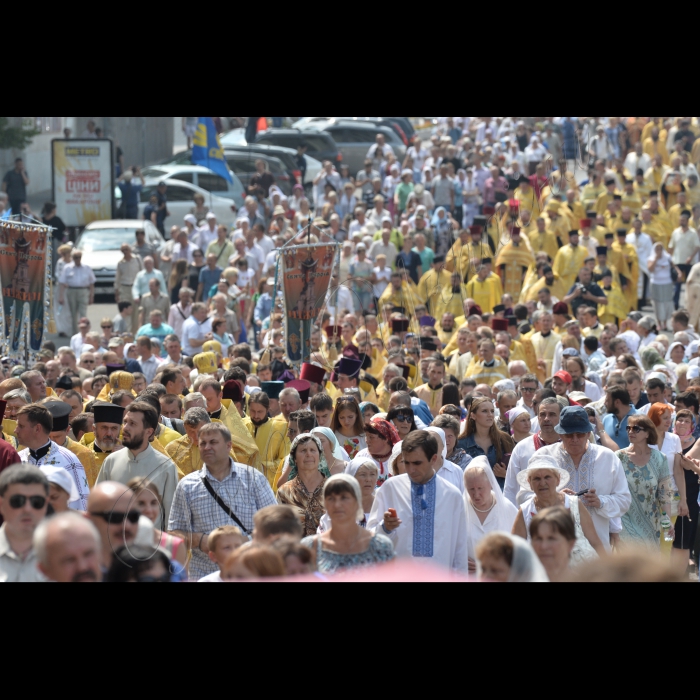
(502, 381)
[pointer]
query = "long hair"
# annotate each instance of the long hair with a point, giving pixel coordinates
(498, 438)
(345, 403)
(179, 273)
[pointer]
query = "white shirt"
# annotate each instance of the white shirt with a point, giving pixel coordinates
(150, 367)
(345, 301)
(77, 277)
(522, 454)
(386, 149)
(452, 474)
(76, 344)
(212, 578)
(61, 457)
(13, 569)
(645, 249)
(633, 162)
(178, 316)
(600, 469)
(193, 329)
(266, 244)
(449, 545)
(383, 279)
(271, 262)
(187, 254)
(205, 237)
(257, 252)
(683, 243)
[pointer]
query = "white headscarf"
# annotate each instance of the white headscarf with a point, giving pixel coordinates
(515, 414)
(441, 434)
(503, 514)
(398, 449)
(355, 485)
(338, 451)
(61, 478)
(526, 566)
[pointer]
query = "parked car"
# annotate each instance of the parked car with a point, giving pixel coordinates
(401, 125)
(101, 243)
(201, 177)
(355, 138)
(180, 196)
(321, 146)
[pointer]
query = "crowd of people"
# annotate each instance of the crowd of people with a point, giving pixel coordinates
(486, 387)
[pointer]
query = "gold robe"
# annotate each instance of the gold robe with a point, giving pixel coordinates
(545, 348)
(186, 456)
(486, 294)
(87, 458)
(270, 439)
(244, 447)
(449, 303)
(546, 242)
(407, 297)
(557, 290)
(515, 261)
(488, 375)
(432, 397)
(432, 286)
(568, 264)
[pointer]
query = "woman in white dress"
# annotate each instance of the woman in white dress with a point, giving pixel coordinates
(62, 316)
(487, 509)
(547, 480)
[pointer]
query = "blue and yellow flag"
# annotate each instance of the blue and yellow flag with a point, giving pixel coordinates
(207, 150)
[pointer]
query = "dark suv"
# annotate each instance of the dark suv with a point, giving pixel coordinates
(321, 146)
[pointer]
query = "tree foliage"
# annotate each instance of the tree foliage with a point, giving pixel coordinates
(15, 136)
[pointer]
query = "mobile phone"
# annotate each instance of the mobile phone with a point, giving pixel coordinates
(583, 493)
(506, 460)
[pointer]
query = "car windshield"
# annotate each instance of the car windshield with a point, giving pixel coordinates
(106, 239)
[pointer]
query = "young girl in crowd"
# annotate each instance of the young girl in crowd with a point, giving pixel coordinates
(349, 427)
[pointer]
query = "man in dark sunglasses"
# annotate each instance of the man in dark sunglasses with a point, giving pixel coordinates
(111, 508)
(24, 494)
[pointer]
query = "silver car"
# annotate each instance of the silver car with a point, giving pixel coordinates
(101, 244)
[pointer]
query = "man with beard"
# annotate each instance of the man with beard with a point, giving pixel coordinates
(549, 412)
(431, 392)
(60, 412)
(447, 328)
(577, 369)
(105, 440)
(139, 459)
(69, 549)
(269, 435)
(620, 409)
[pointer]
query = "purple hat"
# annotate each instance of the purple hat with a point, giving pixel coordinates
(428, 322)
(349, 367)
(286, 377)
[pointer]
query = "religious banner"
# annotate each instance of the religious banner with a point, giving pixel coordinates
(306, 278)
(83, 180)
(25, 265)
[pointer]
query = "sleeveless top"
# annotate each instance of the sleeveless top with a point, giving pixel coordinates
(171, 545)
(582, 551)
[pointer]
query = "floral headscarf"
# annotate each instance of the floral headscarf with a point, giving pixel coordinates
(386, 430)
(322, 465)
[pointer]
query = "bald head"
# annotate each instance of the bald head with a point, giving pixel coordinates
(106, 503)
(69, 549)
(400, 398)
(10, 385)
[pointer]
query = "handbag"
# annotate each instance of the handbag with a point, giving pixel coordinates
(224, 507)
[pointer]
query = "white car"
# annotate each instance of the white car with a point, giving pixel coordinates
(201, 177)
(180, 196)
(101, 243)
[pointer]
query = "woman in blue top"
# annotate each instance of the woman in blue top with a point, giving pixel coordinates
(482, 438)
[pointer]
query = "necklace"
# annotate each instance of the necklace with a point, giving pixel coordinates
(485, 511)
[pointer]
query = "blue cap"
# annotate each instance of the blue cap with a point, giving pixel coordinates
(574, 419)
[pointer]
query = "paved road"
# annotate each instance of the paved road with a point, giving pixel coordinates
(96, 313)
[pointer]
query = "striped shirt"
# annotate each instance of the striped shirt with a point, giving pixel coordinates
(194, 510)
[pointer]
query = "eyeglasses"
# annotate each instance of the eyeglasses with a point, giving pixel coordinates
(106, 328)
(526, 390)
(402, 419)
(114, 518)
(635, 429)
(36, 502)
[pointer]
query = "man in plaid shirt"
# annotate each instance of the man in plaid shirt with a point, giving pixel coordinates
(195, 512)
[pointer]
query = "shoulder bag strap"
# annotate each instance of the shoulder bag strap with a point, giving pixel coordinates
(223, 506)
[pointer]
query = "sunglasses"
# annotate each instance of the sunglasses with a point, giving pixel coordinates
(635, 429)
(525, 390)
(402, 419)
(106, 328)
(114, 518)
(36, 502)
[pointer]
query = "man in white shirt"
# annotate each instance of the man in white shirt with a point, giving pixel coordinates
(637, 161)
(148, 361)
(183, 249)
(645, 247)
(80, 338)
(384, 247)
(548, 414)
(381, 143)
(207, 234)
(181, 311)
(422, 514)
(593, 469)
(24, 493)
(196, 330)
(339, 298)
(77, 286)
(264, 241)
